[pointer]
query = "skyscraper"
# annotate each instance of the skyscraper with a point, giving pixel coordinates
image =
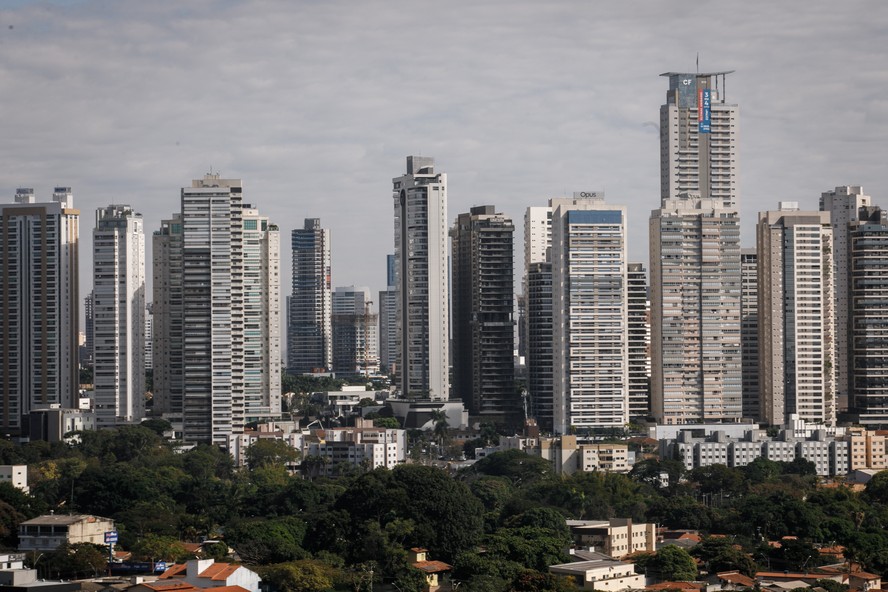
(420, 208)
(86, 352)
(843, 204)
(388, 317)
(698, 139)
(483, 326)
(639, 319)
(796, 322)
(868, 249)
(695, 256)
(217, 313)
(355, 349)
(749, 336)
(310, 330)
(589, 313)
(538, 313)
(119, 316)
(39, 305)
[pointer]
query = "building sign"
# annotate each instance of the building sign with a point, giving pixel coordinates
(110, 537)
(704, 113)
(593, 194)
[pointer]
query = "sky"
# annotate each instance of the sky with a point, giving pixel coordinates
(315, 105)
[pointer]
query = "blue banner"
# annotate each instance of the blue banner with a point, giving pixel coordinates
(704, 111)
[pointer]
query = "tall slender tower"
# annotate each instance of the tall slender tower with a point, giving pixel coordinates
(695, 256)
(119, 316)
(796, 320)
(843, 204)
(749, 335)
(420, 207)
(310, 333)
(39, 305)
(388, 317)
(217, 327)
(639, 318)
(538, 313)
(868, 246)
(589, 313)
(483, 327)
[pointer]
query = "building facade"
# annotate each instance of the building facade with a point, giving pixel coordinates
(868, 335)
(749, 337)
(421, 252)
(217, 313)
(355, 349)
(639, 315)
(843, 204)
(796, 315)
(540, 351)
(589, 314)
(119, 316)
(310, 328)
(388, 318)
(39, 305)
(483, 328)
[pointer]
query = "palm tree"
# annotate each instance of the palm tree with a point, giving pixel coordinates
(441, 425)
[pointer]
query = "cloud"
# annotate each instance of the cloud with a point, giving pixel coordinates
(316, 104)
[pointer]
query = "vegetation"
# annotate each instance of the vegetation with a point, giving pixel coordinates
(314, 534)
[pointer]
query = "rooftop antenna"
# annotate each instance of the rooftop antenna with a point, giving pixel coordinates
(698, 62)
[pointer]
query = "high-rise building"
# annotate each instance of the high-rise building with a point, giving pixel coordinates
(698, 139)
(843, 204)
(39, 305)
(796, 322)
(589, 313)
(749, 337)
(355, 349)
(310, 330)
(149, 337)
(86, 352)
(217, 313)
(639, 318)
(420, 208)
(696, 363)
(695, 256)
(388, 317)
(540, 353)
(868, 249)
(483, 325)
(119, 316)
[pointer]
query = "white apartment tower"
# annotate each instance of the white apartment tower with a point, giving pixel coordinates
(695, 256)
(310, 329)
(39, 305)
(843, 204)
(589, 313)
(217, 313)
(119, 316)
(796, 316)
(421, 261)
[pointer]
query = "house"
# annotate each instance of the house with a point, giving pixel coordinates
(207, 574)
(600, 572)
(48, 532)
(433, 570)
(734, 580)
(177, 586)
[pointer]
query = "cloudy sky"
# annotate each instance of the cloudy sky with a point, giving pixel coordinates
(315, 104)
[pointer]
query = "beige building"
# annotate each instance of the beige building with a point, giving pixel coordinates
(568, 457)
(46, 533)
(867, 449)
(615, 538)
(796, 317)
(15, 475)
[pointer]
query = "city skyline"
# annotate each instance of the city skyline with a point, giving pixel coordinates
(519, 105)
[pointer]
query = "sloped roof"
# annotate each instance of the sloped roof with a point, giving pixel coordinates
(219, 572)
(432, 566)
(735, 577)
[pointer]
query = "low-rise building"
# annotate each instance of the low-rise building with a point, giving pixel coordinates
(48, 532)
(207, 573)
(15, 475)
(363, 445)
(600, 572)
(567, 455)
(615, 538)
(53, 423)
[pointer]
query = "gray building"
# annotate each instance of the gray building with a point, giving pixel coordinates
(483, 327)
(310, 330)
(749, 338)
(540, 353)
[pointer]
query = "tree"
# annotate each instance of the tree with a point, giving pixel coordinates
(387, 422)
(673, 563)
(268, 541)
(268, 452)
(305, 575)
(517, 465)
(75, 561)
(719, 554)
(158, 548)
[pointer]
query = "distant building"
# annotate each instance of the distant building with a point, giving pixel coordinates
(616, 537)
(749, 337)
(310, 337)
(208, 574)
(540, 350)
(48, 532)
(567, 456)
(53, 423)
(388, 318)
(355, 338)
(362, 446)
(39, 305)
(639, 319)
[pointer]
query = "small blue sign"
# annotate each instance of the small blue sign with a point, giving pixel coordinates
(110, 537)
(705, 111)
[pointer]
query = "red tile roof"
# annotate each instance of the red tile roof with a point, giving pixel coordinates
(735, 577)
(676, 586)
(176, 569)
(432, 566)
(219, 572)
